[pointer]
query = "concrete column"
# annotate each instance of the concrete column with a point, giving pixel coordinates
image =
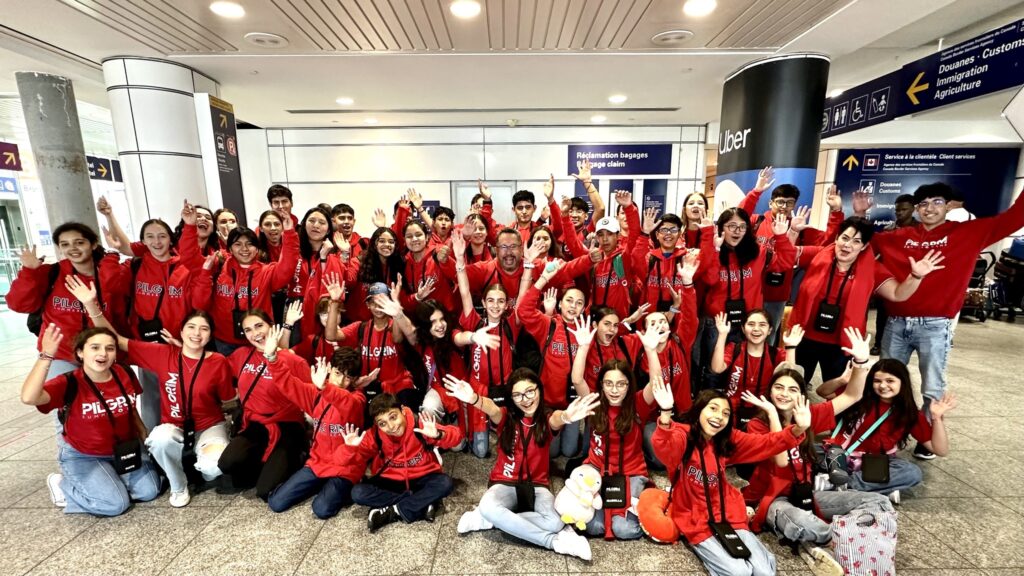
(51, 115)
(154, 117)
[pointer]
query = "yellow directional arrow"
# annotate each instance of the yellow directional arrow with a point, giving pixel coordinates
(223, 121)
(102, 170)
(915, 88)
(9, 159)
(850, 162)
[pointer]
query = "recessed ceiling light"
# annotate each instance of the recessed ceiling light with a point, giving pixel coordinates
(617, 98)
(265, 39)
(835, 93)
(370, 121)
(671, 37)
(465, 8)
(698, 8)
(227, 9)
(598, 119)
(345, 101)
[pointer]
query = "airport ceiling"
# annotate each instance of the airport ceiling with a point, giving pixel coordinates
(539, 62)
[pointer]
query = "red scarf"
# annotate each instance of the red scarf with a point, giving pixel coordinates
(857, 292)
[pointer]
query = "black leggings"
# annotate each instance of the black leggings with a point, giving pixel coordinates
(811, 353)
(242, 460)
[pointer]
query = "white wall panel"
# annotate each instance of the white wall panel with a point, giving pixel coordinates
(383, 163)
(383, 136)
(113, 73)
(124, 125)
(275, 137)
(170, 180)
(149, 106)
(162, 74)
(689, 156)
(583, 134)
(277, 166)
(204, 84)
(254, 165)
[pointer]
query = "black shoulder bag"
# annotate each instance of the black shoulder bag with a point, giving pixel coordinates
(525, 496)
(149, 330)
(829, 315)
(127, 453)
(723, 531)
(614, 487)
(801, 493)
(735, 308)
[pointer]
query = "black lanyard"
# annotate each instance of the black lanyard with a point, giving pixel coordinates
(728, 276)
(163, 292)
(707, 487)
(234, 281)
(103, 402)
(187, 400)
(255, 381)
(806, 466)
(842, 285)
(608, 450)
(502, 326)
(672, 279)
(760, 369)
(368, 346)
(525, 465)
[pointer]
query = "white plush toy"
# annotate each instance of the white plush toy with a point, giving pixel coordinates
(579, 498)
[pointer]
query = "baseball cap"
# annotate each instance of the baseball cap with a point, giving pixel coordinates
(377, 288)
(607, 223)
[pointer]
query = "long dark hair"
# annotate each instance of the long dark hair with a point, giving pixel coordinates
(721, 442)
(370, 267)
(807, 444)
(88, 233)
(627, 412)
(748, 248)
(904, 408)
(554, 247)
(443, 347)
(158, 222)
(507, 438)
(305, 246)
(264, 242)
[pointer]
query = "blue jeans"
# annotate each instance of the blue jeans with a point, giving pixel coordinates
(538, 527)
(412, 500)
(567, 442)
(166, 444)
(719, 563)
(708, 340)
(332, 493)
(902, 475)
(225, 348)
(623, 527)
(802, 525)
(91, 486)
(932, 338)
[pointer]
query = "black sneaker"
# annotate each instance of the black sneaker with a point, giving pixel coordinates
(875, 351)
(431, 512)
(922, 453)
(380, 517)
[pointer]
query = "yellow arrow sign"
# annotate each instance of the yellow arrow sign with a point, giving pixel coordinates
(9, 159)
(915, 88)
(102, 170)
(850, 162)
(223, 121)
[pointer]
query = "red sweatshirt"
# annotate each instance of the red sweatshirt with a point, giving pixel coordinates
(31, 291)
(689, 503)
(610, 283)
(402, 458)
(261, 399)
(430, 267)
(313, 274)
(331, 409)
(557, 351)
(675, 358)
(729, 284)
(510, 468)
(231, 289)
(604, 448)
(483, 274)
(659, 271)
(488, 369)
(746, 372)
(436, 371)
(153, 279)
(87, 427)
(941, 292)
(624, 347)
(379, 350)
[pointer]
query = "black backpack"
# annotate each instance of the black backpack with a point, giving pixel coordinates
(34, 322)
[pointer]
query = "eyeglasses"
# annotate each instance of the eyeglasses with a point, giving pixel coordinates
(736, 227)
(609, 385)
(668, 230)
(415, 236)
(934, 202)
(785, 203)
(508, 247)
(529, 394)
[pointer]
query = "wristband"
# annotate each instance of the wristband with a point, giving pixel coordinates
(790, 347)
(287, 326)
(916, 276)
(865, 361)
(529, 265)
(45, 356)
(96, 315)
(673, 310)
(460, 267)
(690, 285)
(271, 358)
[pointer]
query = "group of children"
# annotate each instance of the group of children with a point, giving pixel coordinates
(303, 360)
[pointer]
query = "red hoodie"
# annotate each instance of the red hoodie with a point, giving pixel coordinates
(483, 274)
(170, 279)
(611, 277)
(729, 285)
(231, 290)
(430, 267)
(675, 358)
(557, 347)
(511, 468)
(659, 272)
(378, 350)
(261, 399)
(331, 409)
(32, 290)
(941, 293)
(689, 503)
(402, 458)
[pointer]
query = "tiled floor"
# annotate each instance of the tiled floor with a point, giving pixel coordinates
(967, 518)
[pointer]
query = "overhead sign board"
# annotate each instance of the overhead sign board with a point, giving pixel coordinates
(622, 159)
(9, 157)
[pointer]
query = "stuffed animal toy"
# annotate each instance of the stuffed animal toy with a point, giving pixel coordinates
(579, 498)
(655, 519)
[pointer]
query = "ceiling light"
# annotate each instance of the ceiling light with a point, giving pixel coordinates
(265, 39)
(597, 119)
(698, 8)
(835, 93)
(370, 121)
(465, 8)
(617, 98)
(345, 101)
(227, 9)
(671, 37)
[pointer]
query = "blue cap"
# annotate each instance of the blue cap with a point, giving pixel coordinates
(377, 288)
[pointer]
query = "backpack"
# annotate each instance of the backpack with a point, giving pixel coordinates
(34, 322)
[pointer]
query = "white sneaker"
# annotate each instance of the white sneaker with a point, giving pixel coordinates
(821, 483)
(894, 497)
(472, 521)
(570, 543)
(180, 499)
(820, 562)
(56, 494)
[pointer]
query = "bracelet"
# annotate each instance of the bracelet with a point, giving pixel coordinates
(856, 363)
(690, 285)
(287, 326)
(460, 267)
(476, 400)
(790, 347)
(45, 356)
(673, 310)
(529, 265)
(916, 276)
(271, 358)
(96, 315)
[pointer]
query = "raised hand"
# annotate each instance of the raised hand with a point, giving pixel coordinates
(550, 301)
(166, 335)
(722, 323)
(637, 314)
(583, 331)
(549, 189)
(780, 225)
(396, 287)
(366, 380)
(460, 390)
(415, 198)
(833, 199)
(860, 345)
(286, 220)
(677, 297)
(103, 206)
(623, 198)
(862, 201)
(584, 168)
(189, 215)
(428, 425)
(662, 392)
(925, 266)
(341, 244)
(758, 402)
(425, 289)
(765, 178)
(51, 339)
(582, 407)
(485, 339)
(938, 408)
(351, 435)
(388, 306)
(379, 219)
(210, 262)
(484, 190)
(551, 269)
(794, 336)
(688, 265)
(719, 240)
(318, 372)
(459, 244)
(802, 412)
(705, 220)
(650, 221)
(293, 313)
(800, 216)
(113, 241)
(531, 252)
(442, 252)
(650, 338)
(85, 293)
(270, 345)
(334, 286)
(29, 259)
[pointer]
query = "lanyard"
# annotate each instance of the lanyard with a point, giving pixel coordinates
(728, 276)
(842, 285)
(103, 402)
(187, 400)
(866, 434)
(502, 326)
(707, 487)
(248, 288)
(806, 466)
(319, 422)
(163, 292)
(383, 342)
(525, 465)
(760, 369)
(608, 450)
(255, 381)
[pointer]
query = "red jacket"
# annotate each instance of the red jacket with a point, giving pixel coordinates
(403, 458)
(430, 267)
(330, 408)
(483, 274)
(659, 272)
(262, 400)
(32, 290)
(689, 504)
(557, 347)
(172, 279)
(610, 280)
(728, 285)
